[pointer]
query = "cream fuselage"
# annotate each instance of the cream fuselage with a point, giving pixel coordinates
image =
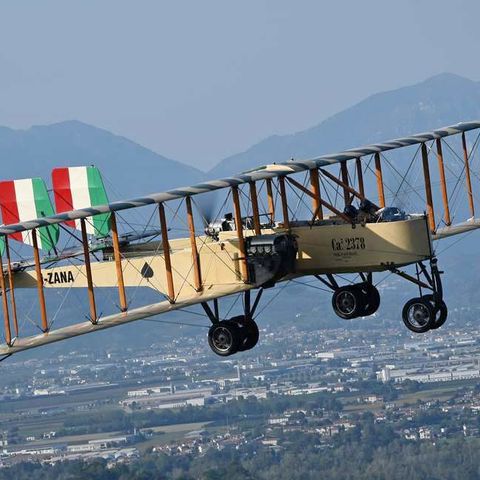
(326, 247)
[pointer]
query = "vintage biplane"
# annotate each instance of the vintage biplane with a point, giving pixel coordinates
(323, 217)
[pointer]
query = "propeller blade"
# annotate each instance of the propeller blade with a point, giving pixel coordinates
(206, 205)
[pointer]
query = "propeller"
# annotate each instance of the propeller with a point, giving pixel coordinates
(206, 205)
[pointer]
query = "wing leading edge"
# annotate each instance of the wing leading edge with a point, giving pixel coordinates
(280, 170)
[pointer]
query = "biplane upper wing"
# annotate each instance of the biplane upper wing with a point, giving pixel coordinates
(261, 173)
(204, 286)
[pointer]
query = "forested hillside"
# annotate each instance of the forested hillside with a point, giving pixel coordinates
(368, 452)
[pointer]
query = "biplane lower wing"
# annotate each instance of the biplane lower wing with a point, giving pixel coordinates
(114, 320)
(289, 220)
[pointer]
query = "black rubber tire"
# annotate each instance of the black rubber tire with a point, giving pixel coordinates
(441, 311)
(253, 335)
(248, 331)
(224, 338)
(371, 298)
(348, 302)
(441, 315)
(421, 312)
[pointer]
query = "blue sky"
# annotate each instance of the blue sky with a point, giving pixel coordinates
(199, 80)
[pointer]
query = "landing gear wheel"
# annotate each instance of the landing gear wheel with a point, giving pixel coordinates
(371, 298)
(252, 335)
(418, 315)
(441, 311)
(348, 302)
(224, 338)
(441, 316)
(248, 330)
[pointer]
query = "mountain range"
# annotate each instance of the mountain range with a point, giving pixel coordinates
(128, 168)
(131, 169)
(441, 100)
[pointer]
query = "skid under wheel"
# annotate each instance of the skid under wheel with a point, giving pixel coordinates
(419, 315)
(225, 338)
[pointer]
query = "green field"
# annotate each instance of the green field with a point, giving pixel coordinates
(435, 391)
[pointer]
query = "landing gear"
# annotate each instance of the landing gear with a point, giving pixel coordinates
(231, 336)
(418, 315)
(224, 338)
(427, 312)
(440, 309)
(249, 333)
(357, 300)
(347, 302)
(372, 299)
(236, 334)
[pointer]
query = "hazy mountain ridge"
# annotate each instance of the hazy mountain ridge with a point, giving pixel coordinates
(129, 168)
(438, 101)
(135, 170)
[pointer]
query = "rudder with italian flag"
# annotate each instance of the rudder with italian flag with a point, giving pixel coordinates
(24, 200)
(81, 187)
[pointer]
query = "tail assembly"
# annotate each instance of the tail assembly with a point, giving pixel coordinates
(81, 187)
(24, 200)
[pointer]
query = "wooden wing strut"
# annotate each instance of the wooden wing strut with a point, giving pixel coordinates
(344, 170)
(118, 264)
(241, 239)
(255, 211)
(443, 183)
(11, 285)
(315, 188)
(322, 201)
(271, 200)
(6, 316)
(467, 175)
(38, 274)
(166, 253)
(88, 271)
(361, 187)
(197, 272)
(428, 188)
(283, 196)
(378, 174)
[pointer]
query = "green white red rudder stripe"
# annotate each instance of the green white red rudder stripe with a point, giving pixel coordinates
(28, 199)
(81, 187)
